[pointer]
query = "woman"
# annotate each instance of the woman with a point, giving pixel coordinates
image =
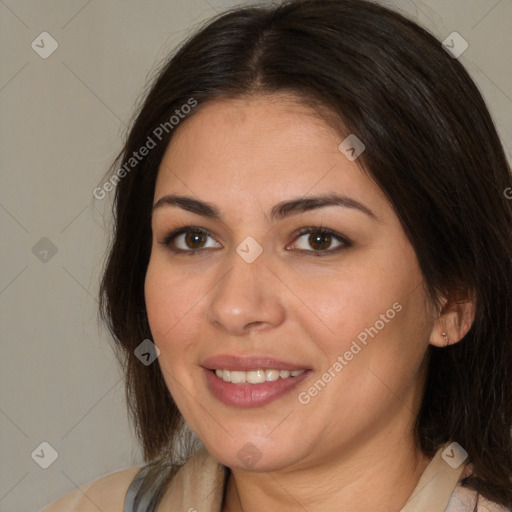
(311, 274)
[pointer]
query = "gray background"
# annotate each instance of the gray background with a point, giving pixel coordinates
(61, 123)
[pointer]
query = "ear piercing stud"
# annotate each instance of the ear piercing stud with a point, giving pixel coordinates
(445, 338)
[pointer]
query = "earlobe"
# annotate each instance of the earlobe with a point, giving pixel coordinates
(454, 322)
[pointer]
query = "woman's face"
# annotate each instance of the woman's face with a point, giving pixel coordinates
(255, 284)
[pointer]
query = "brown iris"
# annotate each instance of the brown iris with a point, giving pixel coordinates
(195, 237)
(319, 240)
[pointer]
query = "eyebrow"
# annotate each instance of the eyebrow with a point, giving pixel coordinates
(279, 211)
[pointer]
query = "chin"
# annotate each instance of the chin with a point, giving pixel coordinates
(255, 456)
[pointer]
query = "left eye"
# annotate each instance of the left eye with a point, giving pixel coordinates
(320, 240)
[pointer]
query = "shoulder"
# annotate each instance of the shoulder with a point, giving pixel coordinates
(105, 493)
(464, 499)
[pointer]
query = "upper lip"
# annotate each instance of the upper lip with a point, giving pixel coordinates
(247, 363)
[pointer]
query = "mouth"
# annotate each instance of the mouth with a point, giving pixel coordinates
(254, 381)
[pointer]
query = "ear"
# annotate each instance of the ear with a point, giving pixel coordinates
(455, 318)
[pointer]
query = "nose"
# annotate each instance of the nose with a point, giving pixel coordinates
(247, 299)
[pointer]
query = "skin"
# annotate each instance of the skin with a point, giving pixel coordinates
(352, 446)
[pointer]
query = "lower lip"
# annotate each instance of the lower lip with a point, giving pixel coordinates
(251, 395)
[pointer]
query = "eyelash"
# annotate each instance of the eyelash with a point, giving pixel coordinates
(345, 242)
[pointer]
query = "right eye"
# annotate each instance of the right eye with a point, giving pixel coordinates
(188, 239)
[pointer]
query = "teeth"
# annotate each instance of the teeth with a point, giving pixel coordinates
(238, 377)
(271, 375)
(255, 376)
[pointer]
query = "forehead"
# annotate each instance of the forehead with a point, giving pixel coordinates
(271, 146)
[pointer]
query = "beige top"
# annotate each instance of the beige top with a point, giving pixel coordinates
(198, 486)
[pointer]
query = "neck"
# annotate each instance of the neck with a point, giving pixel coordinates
(381, 475)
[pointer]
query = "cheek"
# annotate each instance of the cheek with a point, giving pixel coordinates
(171, 303)
(378, 312)
(349, 303)
(161, 301)
(395, 345)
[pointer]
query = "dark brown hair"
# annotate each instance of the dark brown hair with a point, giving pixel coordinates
(431, 146)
